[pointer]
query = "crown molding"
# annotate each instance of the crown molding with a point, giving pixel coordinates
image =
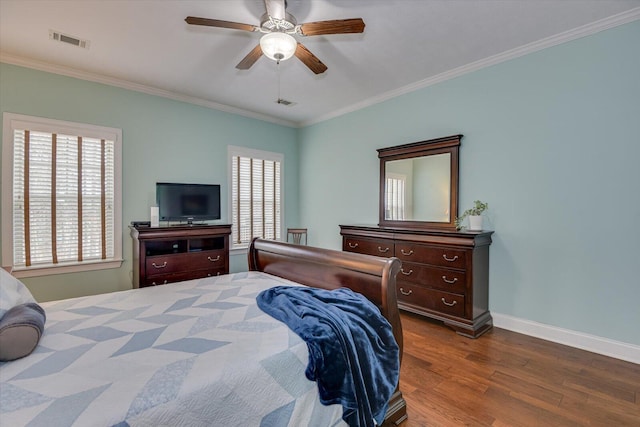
(576, 33)
(137, 87)
(567, 36)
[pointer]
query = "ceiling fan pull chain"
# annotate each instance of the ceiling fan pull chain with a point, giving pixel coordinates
(278, 74)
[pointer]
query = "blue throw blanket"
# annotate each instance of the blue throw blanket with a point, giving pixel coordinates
(353, 356)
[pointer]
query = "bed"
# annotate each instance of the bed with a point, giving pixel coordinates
(193, 353)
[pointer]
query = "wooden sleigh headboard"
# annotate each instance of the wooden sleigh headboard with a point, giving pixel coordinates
(373, 277)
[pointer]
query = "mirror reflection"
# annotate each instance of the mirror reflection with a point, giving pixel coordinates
(419, 184)
(418, 189)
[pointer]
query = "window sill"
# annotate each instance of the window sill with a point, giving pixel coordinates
(244, 249)
(49, 269)
(239, 250)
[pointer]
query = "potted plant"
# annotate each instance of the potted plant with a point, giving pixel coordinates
(475, 216)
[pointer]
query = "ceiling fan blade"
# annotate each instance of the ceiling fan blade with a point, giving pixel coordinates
(309, 59)
(275, 8)
(250, 59)
(336, 26)
(194, 20)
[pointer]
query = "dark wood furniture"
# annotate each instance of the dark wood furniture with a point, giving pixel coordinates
(163, 255)
(298, 235)
(444, 274)
(435, 183)
(373, 277)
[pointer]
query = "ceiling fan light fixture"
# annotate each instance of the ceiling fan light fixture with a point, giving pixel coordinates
(278, 46)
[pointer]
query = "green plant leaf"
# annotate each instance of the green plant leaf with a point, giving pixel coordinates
(478, 208)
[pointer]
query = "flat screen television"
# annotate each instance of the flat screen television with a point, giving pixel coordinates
(188, 202)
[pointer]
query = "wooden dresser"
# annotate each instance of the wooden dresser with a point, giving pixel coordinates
(444, 275)
(171, 254)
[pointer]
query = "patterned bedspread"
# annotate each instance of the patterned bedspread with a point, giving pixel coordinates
(196, 353)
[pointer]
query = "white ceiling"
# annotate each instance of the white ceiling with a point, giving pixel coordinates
(407, 44)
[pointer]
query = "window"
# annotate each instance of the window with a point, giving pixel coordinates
(395, 196)
(256, 195)
(61, 192)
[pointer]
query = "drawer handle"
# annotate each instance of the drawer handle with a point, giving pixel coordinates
(454, 280)
(403, 292)
(450, 304)
(155, 284)
(352, 245)
(159, 266)
(449, 259)
(406, 253)
(406, 273)
(214, 259)
(383, 251)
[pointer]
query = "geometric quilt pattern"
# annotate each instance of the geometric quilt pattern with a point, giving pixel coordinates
(194, 353)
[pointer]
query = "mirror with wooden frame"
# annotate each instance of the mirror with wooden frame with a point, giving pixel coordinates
(419, 184)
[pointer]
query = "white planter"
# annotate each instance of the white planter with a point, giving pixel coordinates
(475, 222)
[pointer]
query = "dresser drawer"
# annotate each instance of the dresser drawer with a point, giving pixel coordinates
(383, 248)
(433, 255)
(172, 254)
(163, 279)
(166, 264)
(444, 273)
(431, 299)
(433, 277)
(206, 259)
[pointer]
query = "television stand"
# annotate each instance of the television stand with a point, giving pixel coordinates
(175, 253)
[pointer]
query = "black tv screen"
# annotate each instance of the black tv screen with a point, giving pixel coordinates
(188, 202)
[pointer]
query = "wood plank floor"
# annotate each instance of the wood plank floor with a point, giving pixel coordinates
(508, 379)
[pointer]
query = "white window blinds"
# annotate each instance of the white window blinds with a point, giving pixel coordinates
(395, 196)
(256, 199)
(64, 199)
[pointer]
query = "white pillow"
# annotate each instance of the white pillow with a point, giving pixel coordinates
(12, 292)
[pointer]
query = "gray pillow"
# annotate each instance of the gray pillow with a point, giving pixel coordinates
(12, 292)
(20, 330)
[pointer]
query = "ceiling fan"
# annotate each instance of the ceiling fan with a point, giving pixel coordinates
(278, 27)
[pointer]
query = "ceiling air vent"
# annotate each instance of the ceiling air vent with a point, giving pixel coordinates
(65, 38)
(285, 102)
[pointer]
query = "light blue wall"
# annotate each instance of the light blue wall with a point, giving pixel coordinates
(163, 140)
(551, 141)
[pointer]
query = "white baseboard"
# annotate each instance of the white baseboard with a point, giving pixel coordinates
(595, 344)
